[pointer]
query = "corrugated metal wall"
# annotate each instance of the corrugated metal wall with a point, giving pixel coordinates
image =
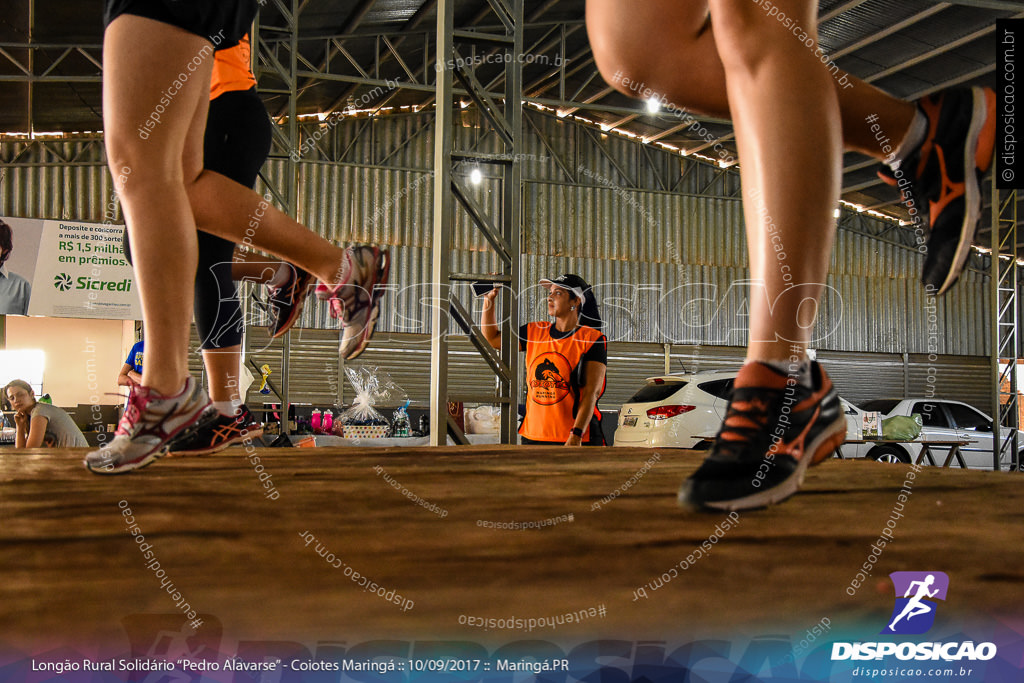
(66, 180)
(666, 263)
(315, 369)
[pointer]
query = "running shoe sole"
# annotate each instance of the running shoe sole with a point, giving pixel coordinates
(141, 464)
(978, 148)
(377, 291)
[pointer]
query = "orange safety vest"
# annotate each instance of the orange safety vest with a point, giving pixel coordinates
(231, 70)
(554, 378)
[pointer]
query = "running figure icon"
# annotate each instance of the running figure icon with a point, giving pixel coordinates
(916, 606)
(917, 595)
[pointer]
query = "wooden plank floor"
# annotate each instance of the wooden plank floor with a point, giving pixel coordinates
(72, 573)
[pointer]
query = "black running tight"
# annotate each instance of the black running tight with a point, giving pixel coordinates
(236, 143)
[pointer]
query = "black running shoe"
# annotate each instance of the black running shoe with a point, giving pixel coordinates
(774, 429)
(285, 302)
(944, 177)
(224, 431)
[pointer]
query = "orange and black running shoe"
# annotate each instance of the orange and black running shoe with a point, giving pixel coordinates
(285, 302)
(224, 431)
(774, 429)
(943, 175)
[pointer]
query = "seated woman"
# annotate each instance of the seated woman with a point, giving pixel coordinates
(40, 424)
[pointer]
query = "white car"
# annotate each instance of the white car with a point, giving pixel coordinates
(675, 411)
(942, 421)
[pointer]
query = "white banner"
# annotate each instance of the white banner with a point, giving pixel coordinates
(80, 270)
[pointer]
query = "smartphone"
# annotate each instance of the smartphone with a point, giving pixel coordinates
(481, 288)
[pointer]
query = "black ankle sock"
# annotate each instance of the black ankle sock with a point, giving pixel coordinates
(801, 370)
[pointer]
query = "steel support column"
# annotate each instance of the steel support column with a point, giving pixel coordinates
(502, 232)
(267, 58)
(1005, 339)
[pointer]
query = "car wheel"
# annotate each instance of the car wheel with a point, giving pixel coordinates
(889, 454)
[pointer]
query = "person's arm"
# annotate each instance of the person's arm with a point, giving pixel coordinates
(488, 320)
(30, 431)
(25, 297)
(21, 427)
(594, 373)
(128, 377)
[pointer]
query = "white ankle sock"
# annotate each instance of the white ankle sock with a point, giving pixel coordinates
(179, 392)
(227, 408)
(911, 141)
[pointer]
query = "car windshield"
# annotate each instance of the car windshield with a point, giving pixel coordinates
(656, 392)
(881, 405)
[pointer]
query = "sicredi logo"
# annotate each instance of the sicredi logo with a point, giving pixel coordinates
(916, 593)
(63, 282)
(914, 613)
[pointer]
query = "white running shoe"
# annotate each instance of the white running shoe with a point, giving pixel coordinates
(356, 298)
(151, 422)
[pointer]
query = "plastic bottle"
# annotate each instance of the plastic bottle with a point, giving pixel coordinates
(328, 421)
(400, 427)
(314, 420)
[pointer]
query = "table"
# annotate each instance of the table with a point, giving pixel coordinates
(330, 440)
(926, 451)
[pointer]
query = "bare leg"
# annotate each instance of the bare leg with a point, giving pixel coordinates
(142, 59)
(228, 209)
(252, 267)
(688, 70)
(786, 116)
(222, 367)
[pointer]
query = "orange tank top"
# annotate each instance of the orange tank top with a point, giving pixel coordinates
(554, 378)
(231, 70)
